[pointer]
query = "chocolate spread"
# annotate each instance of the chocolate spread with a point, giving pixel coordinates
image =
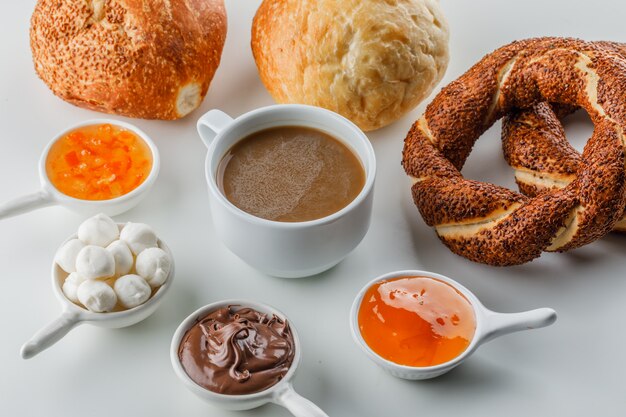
(237, 351)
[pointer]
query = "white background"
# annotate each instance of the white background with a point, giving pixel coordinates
(573, 368)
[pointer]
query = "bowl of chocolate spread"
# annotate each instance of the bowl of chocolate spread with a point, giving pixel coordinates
(238, 355)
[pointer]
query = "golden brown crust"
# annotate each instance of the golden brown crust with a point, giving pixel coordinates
(368, 60)
(535, 145)
(497, 226)
(523, 235)
(150, 59)
(533, 139)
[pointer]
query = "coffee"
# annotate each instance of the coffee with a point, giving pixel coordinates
(290, 174)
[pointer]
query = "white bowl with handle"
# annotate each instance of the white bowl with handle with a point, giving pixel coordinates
(74, 315)
(489, 325)
(282, 393)
(49, 195)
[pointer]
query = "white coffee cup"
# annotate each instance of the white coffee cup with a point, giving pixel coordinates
(287, 249)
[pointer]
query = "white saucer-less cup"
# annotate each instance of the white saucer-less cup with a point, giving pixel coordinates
(489, 325)
(287, 249)
(48, 195)
(282, 393)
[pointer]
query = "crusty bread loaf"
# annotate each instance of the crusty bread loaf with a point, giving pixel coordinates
(150, 59)
(369, 60)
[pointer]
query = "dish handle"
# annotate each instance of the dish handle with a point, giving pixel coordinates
(499, 324)
(297, 404)
(50, 334)
(26, 203)
(211, 123)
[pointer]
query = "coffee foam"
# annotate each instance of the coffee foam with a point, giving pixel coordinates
(272, 181)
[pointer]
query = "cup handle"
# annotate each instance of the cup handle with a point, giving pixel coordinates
(211, 123)
(297, 404)
(50, 334)
(26, 203)
(499, 324)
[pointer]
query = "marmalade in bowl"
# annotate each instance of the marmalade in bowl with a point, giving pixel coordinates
(98, 162)
(416, 321)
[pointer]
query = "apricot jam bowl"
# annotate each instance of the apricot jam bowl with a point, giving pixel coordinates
(419, 325)
(95, 166)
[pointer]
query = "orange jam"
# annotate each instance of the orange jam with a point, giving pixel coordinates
(416, 321)
(98, 162)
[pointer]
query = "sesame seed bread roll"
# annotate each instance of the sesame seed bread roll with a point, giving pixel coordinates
(151, 59)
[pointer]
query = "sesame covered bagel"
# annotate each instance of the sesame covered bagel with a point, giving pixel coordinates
(535, 146)
(493, 225)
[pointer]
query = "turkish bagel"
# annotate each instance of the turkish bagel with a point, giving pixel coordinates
(493, 225)
(535, 146)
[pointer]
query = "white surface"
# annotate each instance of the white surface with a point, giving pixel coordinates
(572, 368)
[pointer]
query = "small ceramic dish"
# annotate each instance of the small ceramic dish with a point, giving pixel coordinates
(49, 195)
(489, 325)
(281, 393)
(73, 314)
